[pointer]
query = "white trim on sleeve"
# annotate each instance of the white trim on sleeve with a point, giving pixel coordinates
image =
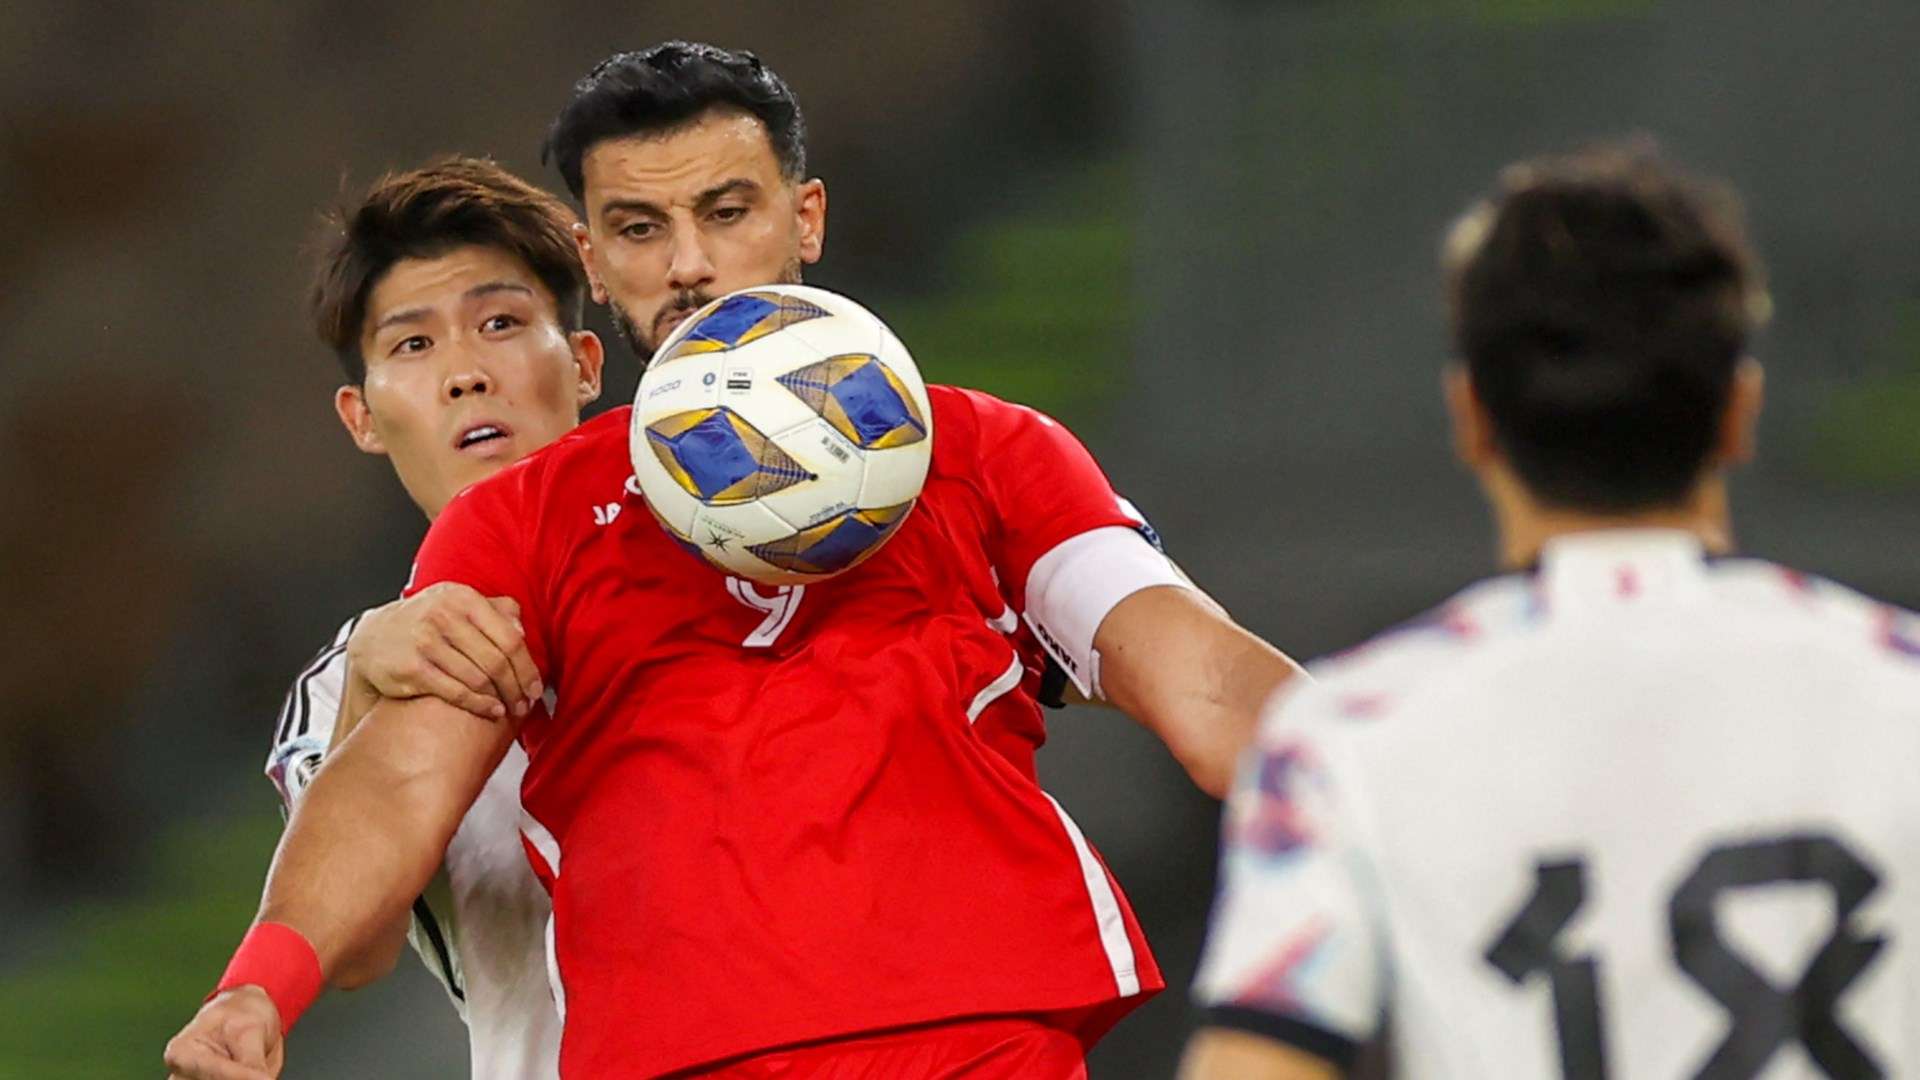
(996, 689)
(1075, 586)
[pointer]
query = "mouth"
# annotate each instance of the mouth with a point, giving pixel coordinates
(481, 434)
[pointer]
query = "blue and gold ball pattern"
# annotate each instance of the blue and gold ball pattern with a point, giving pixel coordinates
(834, 544)
(861, 399)
(721, 459)
(740, 319)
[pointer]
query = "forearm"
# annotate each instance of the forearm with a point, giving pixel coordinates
(383, 951)
(1208, 728)
(1173, 660)
(372, 827)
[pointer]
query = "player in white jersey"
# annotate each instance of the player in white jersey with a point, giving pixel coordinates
(452, 295)
(1636, 809)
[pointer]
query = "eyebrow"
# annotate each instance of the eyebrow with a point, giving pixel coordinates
(738, 185)
(416, 314)
(490, 287)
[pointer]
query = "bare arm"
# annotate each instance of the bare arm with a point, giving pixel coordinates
(1221, 1054)
(449, 642)
(362, 843)
(375, 822)
(1172, 659)
(378, 957)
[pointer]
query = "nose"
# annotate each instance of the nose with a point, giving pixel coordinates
(468, 380)
(691, 268)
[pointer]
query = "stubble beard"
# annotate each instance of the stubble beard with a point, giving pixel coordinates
(645, 343)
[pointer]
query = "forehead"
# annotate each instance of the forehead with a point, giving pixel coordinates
(440, 281)
(683, 161)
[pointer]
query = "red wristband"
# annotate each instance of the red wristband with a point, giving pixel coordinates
(278, 959)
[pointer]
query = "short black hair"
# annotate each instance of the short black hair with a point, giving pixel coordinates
(425, 213)
(669, 85)
(1602, 302)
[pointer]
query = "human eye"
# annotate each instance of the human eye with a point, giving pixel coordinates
(500, 322)
(410, 344)
(640, 230)
(727, 215)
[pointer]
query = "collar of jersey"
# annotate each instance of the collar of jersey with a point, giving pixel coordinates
(1607, 567)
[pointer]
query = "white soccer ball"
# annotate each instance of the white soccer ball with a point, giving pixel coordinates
(781, 433)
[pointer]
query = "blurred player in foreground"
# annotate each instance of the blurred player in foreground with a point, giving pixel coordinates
(452, 297)
(1636, 808)
(793, 833)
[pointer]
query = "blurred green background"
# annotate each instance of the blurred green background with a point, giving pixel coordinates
(1203, 234)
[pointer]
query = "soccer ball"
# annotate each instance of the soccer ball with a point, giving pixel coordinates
(781, 434)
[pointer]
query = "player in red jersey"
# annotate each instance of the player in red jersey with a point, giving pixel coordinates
(787, 832)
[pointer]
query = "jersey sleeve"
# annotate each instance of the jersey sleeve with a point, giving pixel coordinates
(307, 717)
(1065, 544)
(1295, 948)
(480, 541)
(1042, 484)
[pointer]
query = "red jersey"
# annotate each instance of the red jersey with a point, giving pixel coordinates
(769, 816)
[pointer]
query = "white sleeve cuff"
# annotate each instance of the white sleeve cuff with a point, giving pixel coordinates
(1074, 586)
(293, 764)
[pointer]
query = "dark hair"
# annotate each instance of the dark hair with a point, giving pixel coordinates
(424, 213)
(1602, 303)
(665, 87)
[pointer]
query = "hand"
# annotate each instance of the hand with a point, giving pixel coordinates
(449, 642)
(235, 1036)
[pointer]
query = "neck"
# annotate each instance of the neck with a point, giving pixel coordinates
(1526, 526)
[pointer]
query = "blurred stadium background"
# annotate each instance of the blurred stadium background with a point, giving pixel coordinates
(1202, 233)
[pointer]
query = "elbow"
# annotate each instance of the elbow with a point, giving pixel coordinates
(1214, 778)
(1206, 738)
(1211, 766)
(366, 969)
(374, 962)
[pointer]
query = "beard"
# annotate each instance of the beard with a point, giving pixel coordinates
(645, 339)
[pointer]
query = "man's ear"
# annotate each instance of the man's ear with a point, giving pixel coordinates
(589, 359)
(583, 243)
(350, 402)
(1473, 441)
(810, 205)
(1740, 420)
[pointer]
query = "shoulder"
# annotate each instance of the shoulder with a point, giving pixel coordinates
(978, 433)
(977, 416)
(1368, 679)
(978, 410)
(318, 682)
(307, 713)
(956, 422)
(1757, 588)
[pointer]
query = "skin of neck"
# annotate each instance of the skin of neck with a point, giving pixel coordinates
(1525, 526)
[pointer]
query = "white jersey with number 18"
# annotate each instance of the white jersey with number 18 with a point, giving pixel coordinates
(481, 926)
(1638, 814)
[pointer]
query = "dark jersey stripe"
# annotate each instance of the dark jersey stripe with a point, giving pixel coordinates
(304, 718)
(430, 925)
(295, 711)
(295, 708)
